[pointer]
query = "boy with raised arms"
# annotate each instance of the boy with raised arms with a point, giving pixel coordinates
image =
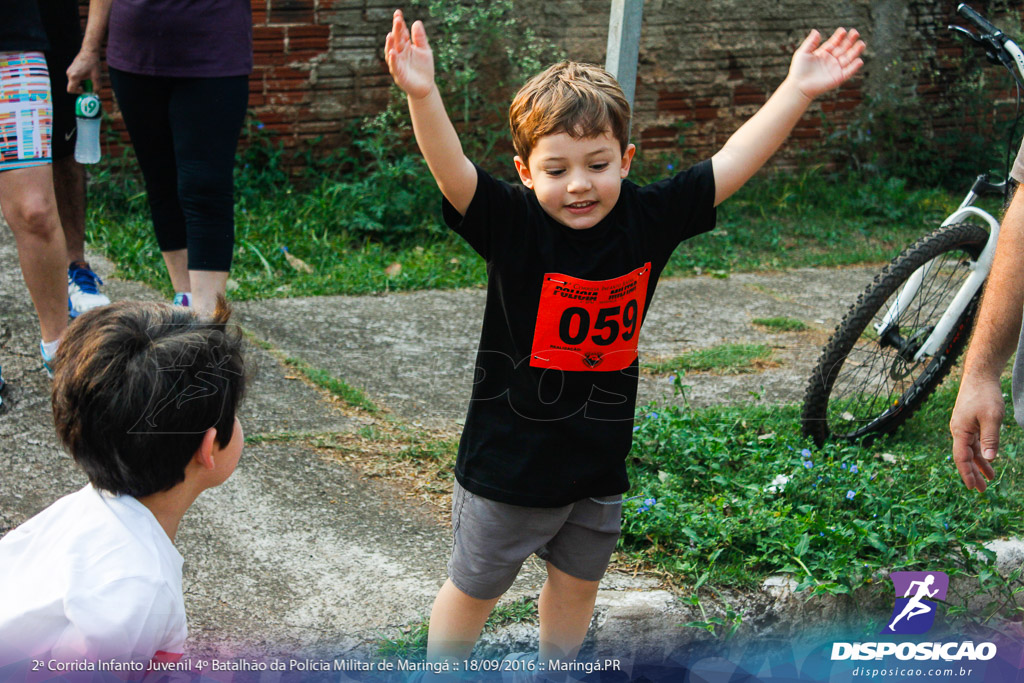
(573, 258)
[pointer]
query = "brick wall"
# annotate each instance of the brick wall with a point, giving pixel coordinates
(705, 66)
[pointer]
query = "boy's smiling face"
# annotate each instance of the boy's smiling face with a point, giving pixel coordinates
(577, 180)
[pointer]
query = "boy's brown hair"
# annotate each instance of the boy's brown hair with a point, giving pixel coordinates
(136, 385)
(582, 100)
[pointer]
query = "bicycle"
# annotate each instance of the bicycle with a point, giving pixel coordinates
(908, 328)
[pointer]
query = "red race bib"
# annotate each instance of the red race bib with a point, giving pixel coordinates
(587, 324)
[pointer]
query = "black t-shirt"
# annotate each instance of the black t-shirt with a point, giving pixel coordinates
(550, 420)
(21, 29)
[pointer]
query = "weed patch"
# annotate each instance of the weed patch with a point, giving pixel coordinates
(337, 387)
(781, 324)
(727, 496)
(724, 358)
(410, 642)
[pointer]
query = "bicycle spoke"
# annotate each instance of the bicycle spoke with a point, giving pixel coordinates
(875, 377)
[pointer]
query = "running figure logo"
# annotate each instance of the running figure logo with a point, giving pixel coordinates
(914, 613)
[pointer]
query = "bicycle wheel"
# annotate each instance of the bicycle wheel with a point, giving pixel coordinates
(867, 382)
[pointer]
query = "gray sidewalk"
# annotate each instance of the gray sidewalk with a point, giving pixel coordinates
(298, 551)
(414, 352)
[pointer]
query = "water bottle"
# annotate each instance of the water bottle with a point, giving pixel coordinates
(87, 116)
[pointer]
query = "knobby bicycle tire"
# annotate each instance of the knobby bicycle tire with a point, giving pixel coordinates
(865, 385)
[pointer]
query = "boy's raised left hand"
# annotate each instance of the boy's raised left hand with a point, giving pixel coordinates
(816, 69)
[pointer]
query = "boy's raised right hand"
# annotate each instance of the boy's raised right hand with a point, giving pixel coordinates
(411, 64)
(409, 58)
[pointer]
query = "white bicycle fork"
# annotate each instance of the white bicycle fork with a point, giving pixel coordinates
(979, 271)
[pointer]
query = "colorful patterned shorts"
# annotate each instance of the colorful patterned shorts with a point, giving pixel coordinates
(26, 110)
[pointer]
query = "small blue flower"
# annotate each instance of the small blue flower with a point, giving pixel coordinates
(652, 416)
(945, 524)
(790, 448)
(843, 465)
(808, 464)
(671, 166)
(636, 429)
(806, 452)
(875, 515)
(850, 495)
(853, 469)
(650, 501)
(642, 509)
(821, 533)
(259, 125)
(671, 378)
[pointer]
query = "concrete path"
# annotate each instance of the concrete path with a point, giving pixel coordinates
(413, 352)
(298, 551)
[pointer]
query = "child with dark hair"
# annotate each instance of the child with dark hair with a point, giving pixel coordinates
(145, 397)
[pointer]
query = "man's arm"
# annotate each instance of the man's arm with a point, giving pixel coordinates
(979, 408)
(86, 64)
(814, 70)
(412, 66)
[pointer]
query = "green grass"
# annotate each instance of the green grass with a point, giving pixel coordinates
(724, 358)
(278, 437)
(707, 512)
(812, 218)
(338, 387)
(352, 396)
(782, 324)
(410, 642)
(441, 452)
(351, 228)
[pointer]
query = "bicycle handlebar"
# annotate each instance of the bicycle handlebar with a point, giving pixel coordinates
(983, 24)
(997, 45)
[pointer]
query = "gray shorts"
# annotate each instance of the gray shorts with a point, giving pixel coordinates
(491, 540)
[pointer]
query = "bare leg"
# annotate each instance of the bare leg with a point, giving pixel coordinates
(206, 285)
(69, 185)
(177, 268)
(566, 608)
(455, 623)
(29, 205)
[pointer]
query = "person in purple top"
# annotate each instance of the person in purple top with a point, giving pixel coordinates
(180, 73)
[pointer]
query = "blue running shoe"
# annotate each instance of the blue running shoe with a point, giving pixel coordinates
(183, 299)
(83, 289)
(47, 360)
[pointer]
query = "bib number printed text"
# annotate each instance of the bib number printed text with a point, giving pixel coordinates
(587, 324)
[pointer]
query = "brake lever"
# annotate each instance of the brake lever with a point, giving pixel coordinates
(968, 33)
(990, 55)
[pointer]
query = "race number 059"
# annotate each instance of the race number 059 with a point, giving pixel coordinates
(607, 324)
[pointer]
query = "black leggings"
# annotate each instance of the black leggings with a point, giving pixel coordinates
(185, 133)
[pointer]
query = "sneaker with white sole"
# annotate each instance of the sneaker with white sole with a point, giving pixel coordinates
(83, 289)
(183, 299)
(47, 360)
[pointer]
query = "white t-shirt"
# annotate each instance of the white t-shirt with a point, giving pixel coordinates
(94, 576)
(1017, 172)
